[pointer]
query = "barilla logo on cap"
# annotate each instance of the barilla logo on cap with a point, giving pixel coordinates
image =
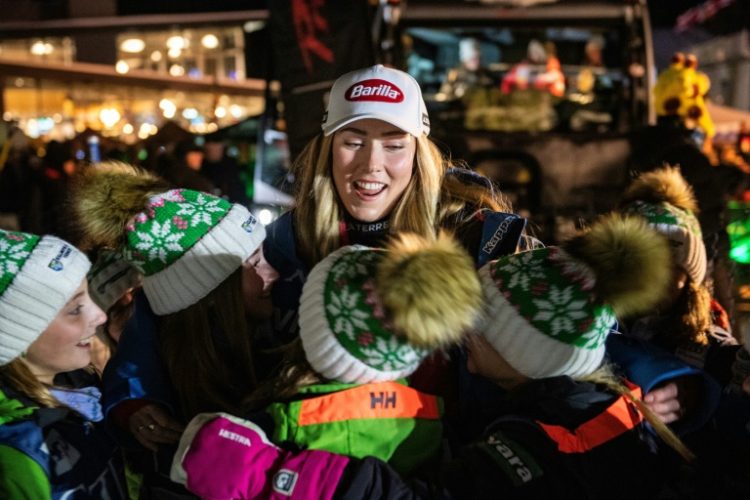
(374, 90)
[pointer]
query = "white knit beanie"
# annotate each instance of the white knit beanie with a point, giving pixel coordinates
(186, 243)
(38, 275)
(549, 311)
(371, 315)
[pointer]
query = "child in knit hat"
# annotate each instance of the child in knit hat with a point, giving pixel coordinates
(686, 325)
(684, 322)
(575, 430)
(367, 319)
(203, 295)
(52, 442)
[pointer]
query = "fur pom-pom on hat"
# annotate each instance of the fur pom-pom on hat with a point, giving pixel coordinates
(105, 197)
(628, 261)
(369, 315)
(412, 282)
(664, 185)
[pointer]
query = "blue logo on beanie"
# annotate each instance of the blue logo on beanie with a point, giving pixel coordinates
(56, 263)
(249, 224)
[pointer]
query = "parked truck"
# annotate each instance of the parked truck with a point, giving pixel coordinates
(545, 97)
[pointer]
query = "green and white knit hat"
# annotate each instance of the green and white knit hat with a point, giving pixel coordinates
(186, 243)
(38, 275)
(371, 315)
(110, 277)
(548, 311)
(666, 201)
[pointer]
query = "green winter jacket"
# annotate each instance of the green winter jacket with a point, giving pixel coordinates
(20, 475)
(387, 420)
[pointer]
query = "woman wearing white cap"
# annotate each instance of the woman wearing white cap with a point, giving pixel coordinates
(373, 172)
(52, 444)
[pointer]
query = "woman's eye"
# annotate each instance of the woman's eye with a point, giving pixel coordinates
(394, 147)
(77, 310)
(353, 144)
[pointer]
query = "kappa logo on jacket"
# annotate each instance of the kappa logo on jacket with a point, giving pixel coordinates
(374, 89)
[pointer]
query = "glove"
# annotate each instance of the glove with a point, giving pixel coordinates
(221, 457)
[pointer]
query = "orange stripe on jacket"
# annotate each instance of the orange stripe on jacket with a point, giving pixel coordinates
(378, 400)
(620, 417)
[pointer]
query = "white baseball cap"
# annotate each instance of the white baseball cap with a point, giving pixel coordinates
(377, 92)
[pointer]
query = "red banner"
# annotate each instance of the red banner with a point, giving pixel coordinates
(315, 42)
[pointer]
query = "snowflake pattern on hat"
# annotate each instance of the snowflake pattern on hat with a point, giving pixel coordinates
(350, 312)
(201, 211)
(522, 271)
(665, 214)
(552, 297)
(169, 226)
(15, 249)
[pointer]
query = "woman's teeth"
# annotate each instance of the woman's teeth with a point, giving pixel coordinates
(369, 186)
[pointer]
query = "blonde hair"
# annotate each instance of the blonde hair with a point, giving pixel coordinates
(430, 200)
(691, 315)
(19, 377)
(605, 376)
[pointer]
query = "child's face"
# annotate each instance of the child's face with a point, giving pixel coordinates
(258, 278)
(675, 288)
(373, 163)
(66, 343)
(484, 360)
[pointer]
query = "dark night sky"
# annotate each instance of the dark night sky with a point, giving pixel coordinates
(663, 12)
(132, 7)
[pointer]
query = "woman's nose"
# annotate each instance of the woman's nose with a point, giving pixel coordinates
(374, 159)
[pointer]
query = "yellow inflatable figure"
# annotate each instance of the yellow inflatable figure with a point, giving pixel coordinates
(680, 91)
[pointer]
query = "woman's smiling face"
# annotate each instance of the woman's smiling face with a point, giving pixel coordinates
(373, 163)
